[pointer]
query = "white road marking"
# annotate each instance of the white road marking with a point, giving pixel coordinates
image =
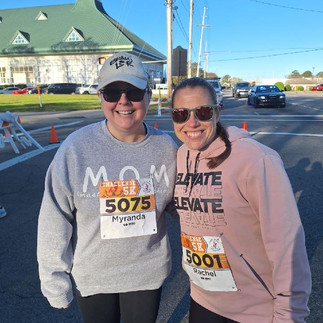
(34, 153)
(19, 159)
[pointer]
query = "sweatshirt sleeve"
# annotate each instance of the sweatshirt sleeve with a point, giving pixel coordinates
(272, 199)
(55, 228)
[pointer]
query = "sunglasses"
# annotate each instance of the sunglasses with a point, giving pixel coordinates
(114, 95)
(201, 113)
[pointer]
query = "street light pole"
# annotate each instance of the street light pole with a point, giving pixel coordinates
(169, 5)
(189, 70)
(200, 50)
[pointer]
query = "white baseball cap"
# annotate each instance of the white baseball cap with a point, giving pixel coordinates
(123, 67)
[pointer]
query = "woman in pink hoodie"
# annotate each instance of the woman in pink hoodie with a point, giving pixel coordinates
(242, 238)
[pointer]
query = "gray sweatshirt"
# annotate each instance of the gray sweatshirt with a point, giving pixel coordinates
(92, 233)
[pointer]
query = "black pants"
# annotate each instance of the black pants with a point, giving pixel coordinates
(131, 307)
(200, 314)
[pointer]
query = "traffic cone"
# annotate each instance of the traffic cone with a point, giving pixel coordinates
(53, 136)
(156, 125)
(244, 126)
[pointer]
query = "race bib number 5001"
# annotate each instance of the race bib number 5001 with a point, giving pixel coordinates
(127, 208)
(206, 263)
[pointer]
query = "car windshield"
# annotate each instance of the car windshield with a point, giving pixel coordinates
(240, 85)
(215, 84)
(267, 88)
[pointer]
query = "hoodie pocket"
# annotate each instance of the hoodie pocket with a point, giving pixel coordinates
(257, 276)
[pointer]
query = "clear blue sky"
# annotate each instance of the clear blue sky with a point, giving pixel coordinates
(250, 39)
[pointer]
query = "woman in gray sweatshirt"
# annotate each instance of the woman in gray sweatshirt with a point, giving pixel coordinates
(102, 228)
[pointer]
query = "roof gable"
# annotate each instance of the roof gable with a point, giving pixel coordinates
(20, 38)
(41, 16)
(73, 35)
(64, 21)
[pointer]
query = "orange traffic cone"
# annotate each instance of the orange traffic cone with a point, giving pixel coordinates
(53, 136)
(244, 126)
(156, 125)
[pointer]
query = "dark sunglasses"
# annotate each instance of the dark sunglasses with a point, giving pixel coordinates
(202, 113)
(114, 95)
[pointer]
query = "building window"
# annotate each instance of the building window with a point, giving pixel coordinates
(22, 74)
(20, 39)
(74, 36)
(2, 75)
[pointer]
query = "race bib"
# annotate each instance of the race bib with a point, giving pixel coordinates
(206, 263)
(127, 208)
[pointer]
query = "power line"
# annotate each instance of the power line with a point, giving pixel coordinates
(286, 7)
(264, 56)
(180, 24)
(257, 50)
(185, 7)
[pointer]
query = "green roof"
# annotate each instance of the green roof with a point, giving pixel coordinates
(46, 28)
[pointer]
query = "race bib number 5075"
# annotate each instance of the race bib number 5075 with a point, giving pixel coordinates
(127, 208)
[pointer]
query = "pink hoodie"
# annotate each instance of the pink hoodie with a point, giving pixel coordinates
(242, 238)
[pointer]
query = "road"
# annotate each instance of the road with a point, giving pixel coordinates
(295, 132)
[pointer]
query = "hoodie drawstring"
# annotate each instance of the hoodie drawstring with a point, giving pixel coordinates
(193, 178)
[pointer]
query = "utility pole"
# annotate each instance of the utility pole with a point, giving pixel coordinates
(206, 57)
(189, 72)
(200, 50)
(169, 5)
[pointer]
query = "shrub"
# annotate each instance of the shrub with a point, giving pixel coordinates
(288, 87)
(280, 85)
(300, 88)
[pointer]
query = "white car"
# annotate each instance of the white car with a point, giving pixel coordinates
(218, 89)
(87, 89)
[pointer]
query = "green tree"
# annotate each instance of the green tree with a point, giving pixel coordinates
(280, 85)
(307, 74)
(319, 74)
(194, 69)
(226, 78)
(235, 80)
(294, 74)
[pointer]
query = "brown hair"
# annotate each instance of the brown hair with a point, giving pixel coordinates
(220, 129)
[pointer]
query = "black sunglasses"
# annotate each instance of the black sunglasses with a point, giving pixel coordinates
(114, 95)
(202, 113)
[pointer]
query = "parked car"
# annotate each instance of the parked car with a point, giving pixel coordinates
(218, 89)
(318, 87)
(42, 89)
(61, 88)
(9, 90)
(87, 89)
(266, 95)
(240, 89)
(23, 91)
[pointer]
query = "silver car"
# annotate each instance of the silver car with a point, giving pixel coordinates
(9, 90)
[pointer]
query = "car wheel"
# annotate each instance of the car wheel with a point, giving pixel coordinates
(256, 105)
(86, 92)
(283, 105)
